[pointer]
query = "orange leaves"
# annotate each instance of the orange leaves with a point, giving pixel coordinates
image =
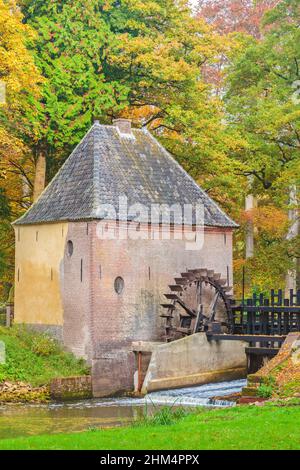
(267, 219)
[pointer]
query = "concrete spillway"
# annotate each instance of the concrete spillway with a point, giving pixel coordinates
(193, 360)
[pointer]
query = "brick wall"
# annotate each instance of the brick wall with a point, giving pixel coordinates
(100, 324)
(147, 267)
(76, 286)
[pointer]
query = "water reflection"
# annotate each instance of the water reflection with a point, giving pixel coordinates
(30, 419)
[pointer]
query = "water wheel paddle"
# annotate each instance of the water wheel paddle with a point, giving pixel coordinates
(198, 298)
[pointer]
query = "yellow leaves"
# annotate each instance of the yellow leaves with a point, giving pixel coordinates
(107, 5)
(9, 145)
(176, 51)
(162, 56)
(147, 7)
(21, 77)
(13, 161)
(17, 68)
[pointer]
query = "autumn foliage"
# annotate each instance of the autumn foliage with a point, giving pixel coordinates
(217, 88)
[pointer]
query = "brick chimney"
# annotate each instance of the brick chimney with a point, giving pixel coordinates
(123, 125)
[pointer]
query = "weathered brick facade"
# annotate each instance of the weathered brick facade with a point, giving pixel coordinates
(101, 324)
(77, 290)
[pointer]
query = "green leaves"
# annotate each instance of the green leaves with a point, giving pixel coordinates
(259, 99)
(4, 205)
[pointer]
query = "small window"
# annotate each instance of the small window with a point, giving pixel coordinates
(119, 285)
(70, 248)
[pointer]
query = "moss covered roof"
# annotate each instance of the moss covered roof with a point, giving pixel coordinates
(106, 165)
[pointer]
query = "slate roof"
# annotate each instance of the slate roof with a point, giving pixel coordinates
(106, 165)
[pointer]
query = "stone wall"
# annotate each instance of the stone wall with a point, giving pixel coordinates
(68, 388)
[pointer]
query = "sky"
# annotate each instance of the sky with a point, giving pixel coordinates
(193, 3)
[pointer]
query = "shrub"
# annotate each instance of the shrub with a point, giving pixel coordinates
(265, 391)
(43, 345)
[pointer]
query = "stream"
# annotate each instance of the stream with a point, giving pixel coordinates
(29, 419)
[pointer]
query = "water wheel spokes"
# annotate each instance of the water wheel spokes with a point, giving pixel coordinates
(196, 299)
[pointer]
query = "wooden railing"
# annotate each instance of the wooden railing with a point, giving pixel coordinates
(275, 315)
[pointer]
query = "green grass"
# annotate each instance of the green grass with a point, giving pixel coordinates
(245, 427)
(291, 388)
(35, 358)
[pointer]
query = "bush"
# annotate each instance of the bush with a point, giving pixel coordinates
(265, 391)
(43, 345)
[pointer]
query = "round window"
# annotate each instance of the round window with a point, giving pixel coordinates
(119, 285)
(70, 248)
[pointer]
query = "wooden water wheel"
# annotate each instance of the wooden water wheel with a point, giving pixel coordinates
(198, 298)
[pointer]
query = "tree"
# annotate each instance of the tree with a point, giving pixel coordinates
(69, 49)
(20, 80)
(229, 17)
(261, 100)
(263, 106)
(241, 16)
(139, 59)
(161, 57)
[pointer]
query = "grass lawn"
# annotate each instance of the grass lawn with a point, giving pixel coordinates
(245, 427)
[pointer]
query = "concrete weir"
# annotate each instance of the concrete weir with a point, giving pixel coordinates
(193, 360)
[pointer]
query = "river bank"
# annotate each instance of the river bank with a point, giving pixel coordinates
(238, 428)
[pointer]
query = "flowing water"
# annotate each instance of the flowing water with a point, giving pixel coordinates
(29, 419)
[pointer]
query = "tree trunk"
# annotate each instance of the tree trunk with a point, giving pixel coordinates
(249, 205)
(26, 189)
(291, 277)
(40, 176)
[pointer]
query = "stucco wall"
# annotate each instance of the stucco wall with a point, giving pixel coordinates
(195, 360)
(38, 274)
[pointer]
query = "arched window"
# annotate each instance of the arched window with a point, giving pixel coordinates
(70, 248)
